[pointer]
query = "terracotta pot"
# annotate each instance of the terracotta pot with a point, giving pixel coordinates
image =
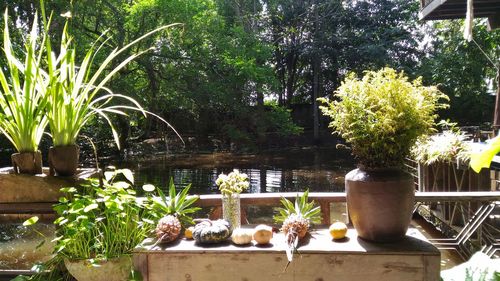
(380, 203)
(117, 269)
(63, 160)
(27, 162)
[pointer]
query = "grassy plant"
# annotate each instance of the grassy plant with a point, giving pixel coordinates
(446, 147)
(77, 93)
(382, 115)
(22, 93)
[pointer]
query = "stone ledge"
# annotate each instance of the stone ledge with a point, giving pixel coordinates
(22, 188)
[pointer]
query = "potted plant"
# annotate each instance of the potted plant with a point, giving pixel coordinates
(97, 229)
(77, 93)
(381, 116)
(23, 100)
(173, 213)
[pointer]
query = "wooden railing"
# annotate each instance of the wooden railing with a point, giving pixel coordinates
(325, 198)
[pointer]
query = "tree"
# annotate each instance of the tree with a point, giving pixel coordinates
(463, 71)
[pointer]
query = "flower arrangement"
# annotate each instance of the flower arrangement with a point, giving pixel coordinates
(231, 186)
(234, 182)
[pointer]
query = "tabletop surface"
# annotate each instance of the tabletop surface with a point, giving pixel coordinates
(319, 241)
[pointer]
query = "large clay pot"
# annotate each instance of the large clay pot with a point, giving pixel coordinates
(63, 160)
(380, 203)
(27, 162)
(117, 269)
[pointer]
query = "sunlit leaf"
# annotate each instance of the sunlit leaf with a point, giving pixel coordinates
(148, 187)
(31, 221)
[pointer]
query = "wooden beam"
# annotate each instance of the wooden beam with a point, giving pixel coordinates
(454, 9)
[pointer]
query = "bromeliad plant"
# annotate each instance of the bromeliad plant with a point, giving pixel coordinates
(296, 219)
(174, 212)
(23, 98)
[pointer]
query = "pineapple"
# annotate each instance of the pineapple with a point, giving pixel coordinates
(297, 219)
(176, 210)
(168, 229)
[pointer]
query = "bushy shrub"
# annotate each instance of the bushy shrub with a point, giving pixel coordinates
(382, 115)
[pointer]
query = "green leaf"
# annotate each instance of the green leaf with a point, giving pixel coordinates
(128, 175)
(90, 207)
(484, 158)
(31, 221)
(108, 175)
(148, 187)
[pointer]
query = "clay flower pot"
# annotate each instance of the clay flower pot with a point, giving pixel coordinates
(380, 203)
(63, 160)
(27, 162)
(117, 269)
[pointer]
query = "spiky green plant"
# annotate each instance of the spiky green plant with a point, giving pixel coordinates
(296, 219)
(77, 93)
(176, 204)
(22, 92)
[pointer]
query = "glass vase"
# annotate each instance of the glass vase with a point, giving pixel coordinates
(231, 209)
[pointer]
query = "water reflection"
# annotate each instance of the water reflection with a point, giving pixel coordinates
(20, 246)
(296, 170)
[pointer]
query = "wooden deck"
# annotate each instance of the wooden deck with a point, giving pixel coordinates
(318, 259)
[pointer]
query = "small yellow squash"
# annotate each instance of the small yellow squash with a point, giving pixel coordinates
(263, 234)
(241, 236)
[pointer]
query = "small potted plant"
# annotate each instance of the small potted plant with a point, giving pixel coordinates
(231, 186)
(98, 227)
(23, 100)
(381, 116)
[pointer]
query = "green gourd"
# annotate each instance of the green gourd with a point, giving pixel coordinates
(210, 232)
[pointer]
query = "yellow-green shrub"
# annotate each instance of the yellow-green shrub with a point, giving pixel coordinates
(382, 115)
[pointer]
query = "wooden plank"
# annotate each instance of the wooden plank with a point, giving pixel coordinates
(318, 258)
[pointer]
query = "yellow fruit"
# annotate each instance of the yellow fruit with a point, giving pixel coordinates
(338, 230)
(188, 233)
(263, 234)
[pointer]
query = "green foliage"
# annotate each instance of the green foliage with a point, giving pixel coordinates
(446, 147)
(301, 207)
(22, 93)
(76, 91)
(176, 204)
(461, 70)
(382, 115)
(277, 119)
(101, 222)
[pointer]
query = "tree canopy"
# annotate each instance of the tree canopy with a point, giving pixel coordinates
(235, 68)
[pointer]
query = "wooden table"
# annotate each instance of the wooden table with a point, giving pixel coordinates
(319, 259)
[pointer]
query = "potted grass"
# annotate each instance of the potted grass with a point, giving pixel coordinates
(23, 100)
(77, 93)
(98, 227)
(381, 116)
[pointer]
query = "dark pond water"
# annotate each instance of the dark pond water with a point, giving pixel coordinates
(285, 171)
